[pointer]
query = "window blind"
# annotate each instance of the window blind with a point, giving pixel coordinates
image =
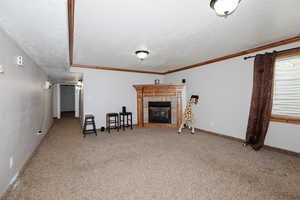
(286, 99)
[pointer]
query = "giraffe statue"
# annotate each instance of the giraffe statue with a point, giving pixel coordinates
(188, 114)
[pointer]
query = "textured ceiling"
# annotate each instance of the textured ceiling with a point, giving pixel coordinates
(40, 28)
(177, 33)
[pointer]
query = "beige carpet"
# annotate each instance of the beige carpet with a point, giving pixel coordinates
(154, 163)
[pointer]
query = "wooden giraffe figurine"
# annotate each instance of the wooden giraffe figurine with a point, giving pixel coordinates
(188, 119)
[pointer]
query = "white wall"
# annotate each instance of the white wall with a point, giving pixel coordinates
(225, 94)
(108, 91)
(25, 108)
(67, 98)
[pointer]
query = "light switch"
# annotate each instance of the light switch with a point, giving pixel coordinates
(1, 69)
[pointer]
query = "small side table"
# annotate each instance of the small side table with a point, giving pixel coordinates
(128, 116)
(112, 121)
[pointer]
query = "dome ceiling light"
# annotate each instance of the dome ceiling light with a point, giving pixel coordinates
(224, 7)
(142, 54)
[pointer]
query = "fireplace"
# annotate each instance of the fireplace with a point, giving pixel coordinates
(159, 112)
(168, 113)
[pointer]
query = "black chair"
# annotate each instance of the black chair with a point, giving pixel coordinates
(89, 120)
(123, 123)
(112, 121)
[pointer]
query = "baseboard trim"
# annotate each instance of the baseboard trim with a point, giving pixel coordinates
(19, 174)
(267, 147)
(99, 129)
(284, 151)
(220, 135)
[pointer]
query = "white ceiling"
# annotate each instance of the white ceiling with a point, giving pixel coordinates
(176, 32)
(40, 28)
(108, 32)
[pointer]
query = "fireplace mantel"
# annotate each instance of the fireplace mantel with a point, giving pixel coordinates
(163, 91)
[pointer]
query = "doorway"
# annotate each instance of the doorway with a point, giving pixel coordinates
(67, 100)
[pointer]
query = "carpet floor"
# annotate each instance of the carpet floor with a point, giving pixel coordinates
(156, 164)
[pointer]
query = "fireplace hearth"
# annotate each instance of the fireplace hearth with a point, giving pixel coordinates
(159, 112)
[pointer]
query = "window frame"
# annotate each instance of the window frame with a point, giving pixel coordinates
(286, 118)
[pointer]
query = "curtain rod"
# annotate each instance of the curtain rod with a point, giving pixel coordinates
(283, 51)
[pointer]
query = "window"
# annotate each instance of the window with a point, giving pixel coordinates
(286, 99)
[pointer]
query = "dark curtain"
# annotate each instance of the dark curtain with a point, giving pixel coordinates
(262, 97)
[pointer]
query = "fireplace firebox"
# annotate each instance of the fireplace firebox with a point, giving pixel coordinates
(159, 112)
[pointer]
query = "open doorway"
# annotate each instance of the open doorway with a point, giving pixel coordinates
(67, 100)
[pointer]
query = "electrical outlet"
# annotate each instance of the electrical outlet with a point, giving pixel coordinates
(11, 162)
(212, 124)
(39, 132)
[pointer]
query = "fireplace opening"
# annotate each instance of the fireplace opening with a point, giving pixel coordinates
(159, 112)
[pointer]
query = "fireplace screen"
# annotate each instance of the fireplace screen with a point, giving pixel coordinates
(160, 112)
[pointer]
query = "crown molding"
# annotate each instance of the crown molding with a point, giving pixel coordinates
(241, 53)
(116, 69)
(71, 10)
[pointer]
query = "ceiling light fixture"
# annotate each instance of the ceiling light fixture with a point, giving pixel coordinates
(224, 7)
(142, 54)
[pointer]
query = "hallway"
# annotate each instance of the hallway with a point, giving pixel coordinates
(153, 163)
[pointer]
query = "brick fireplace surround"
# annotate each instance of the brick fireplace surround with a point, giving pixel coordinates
(159, 92)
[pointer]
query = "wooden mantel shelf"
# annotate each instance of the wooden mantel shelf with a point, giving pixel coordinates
(179, 85)
(159, 90)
